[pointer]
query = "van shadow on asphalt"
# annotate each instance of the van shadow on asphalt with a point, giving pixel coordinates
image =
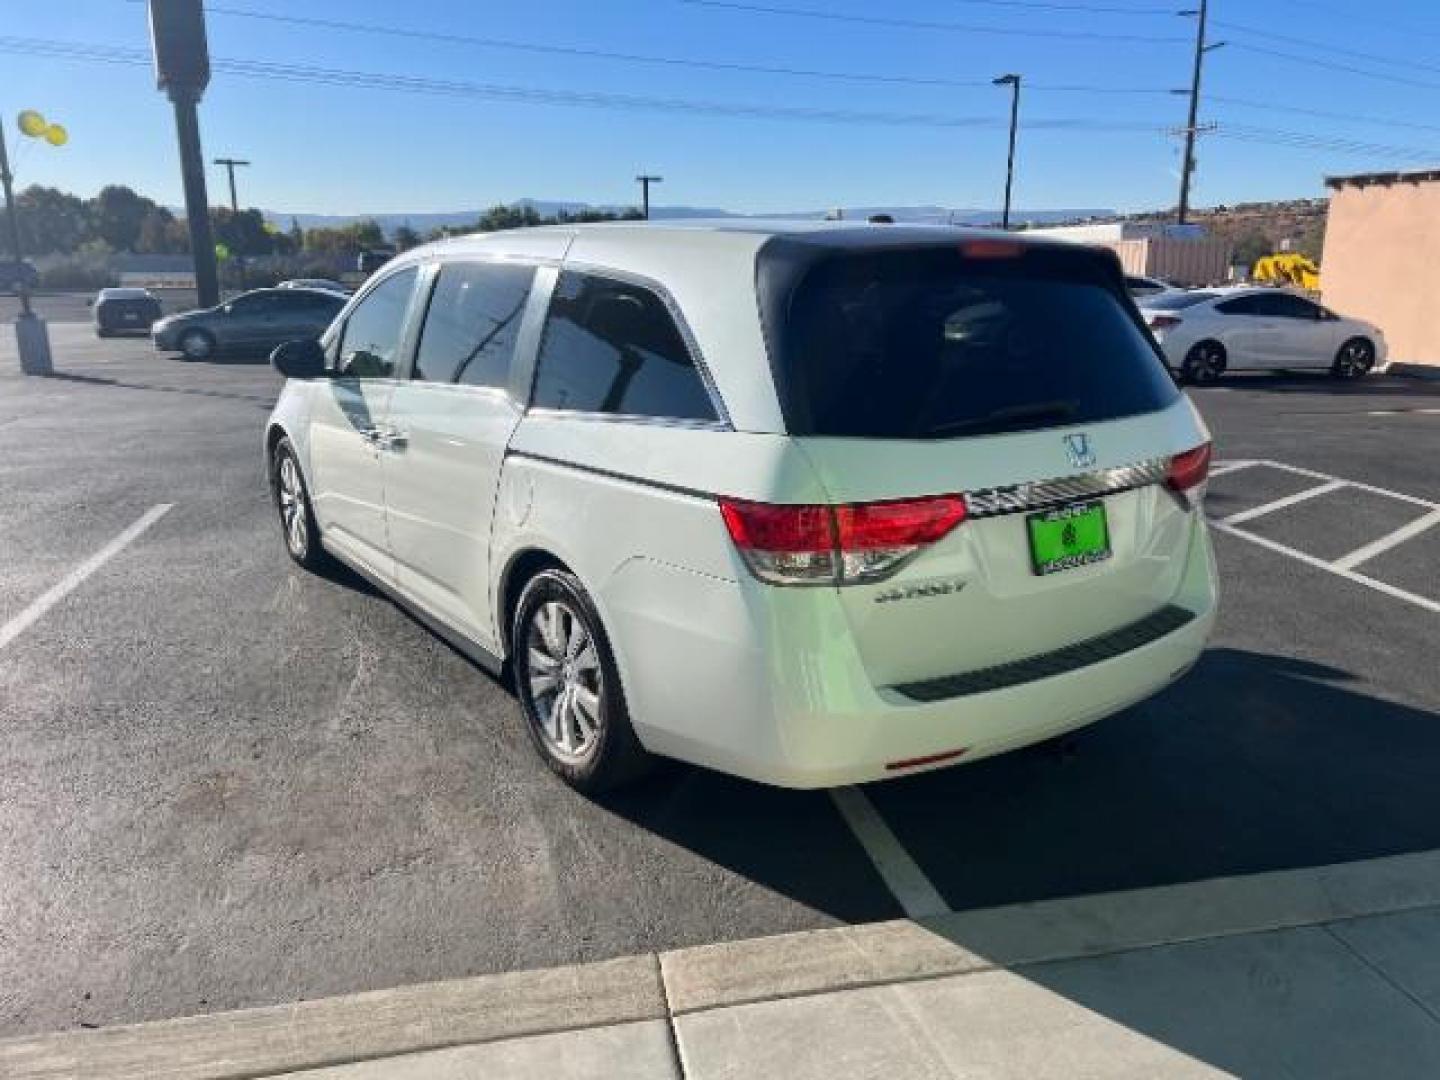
(1252, 763)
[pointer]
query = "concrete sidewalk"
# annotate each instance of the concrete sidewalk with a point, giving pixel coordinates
(1323, 972)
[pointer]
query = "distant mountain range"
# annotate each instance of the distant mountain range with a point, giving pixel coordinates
(423, 223)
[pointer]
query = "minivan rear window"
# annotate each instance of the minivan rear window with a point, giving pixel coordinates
(929, 343)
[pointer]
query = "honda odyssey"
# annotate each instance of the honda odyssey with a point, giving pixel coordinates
(814, 504)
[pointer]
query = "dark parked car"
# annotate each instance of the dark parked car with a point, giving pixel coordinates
(125, 310)
(255, 321)
(14, 274)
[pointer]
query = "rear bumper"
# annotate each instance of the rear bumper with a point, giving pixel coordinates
(785, 700)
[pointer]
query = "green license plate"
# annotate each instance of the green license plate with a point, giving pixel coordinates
(1069, 536)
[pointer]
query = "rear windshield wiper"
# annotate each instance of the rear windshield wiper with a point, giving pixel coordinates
(1010, 417)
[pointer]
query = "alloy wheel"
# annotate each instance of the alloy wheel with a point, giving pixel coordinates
(565, 680)
(1355, 358)
(291, 495)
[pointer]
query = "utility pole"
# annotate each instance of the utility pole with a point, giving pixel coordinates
(182, 70)
(14, 220)
(1187, 167)
(230, 166)
(645, 182)
(1013, 81)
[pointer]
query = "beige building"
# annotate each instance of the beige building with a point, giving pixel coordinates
(1182, 254)
(1382, 258)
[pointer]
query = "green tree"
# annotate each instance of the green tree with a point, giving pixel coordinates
(1251, 247)
(157, 235)
(51, 220)
(297, 235)
(119, 212)
(405, 237)
(243, 233)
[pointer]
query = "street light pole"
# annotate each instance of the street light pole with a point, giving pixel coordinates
(645, 182)
(13, 219)
(230, 166)
(1191, 126)
(1013, 81)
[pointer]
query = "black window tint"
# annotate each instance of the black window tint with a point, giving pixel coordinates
(256, 303)
(1241, 305)
(1293, 307)
(1177, 301)
(472, 322)
(372, 333)
(926, 343)
(612, 347)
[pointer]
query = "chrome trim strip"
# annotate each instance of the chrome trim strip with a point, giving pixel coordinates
(1019, 498)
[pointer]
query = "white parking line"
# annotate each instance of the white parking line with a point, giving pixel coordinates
(1220, 468)
(66, 585)
(1349, 575)
(906, 881)
(1298, 471)
(1385, 543)
(1281, 504)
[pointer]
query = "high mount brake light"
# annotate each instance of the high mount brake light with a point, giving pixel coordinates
(1187, 473)
(991, 249)
(791, 544)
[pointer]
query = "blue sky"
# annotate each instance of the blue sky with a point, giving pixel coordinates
(331, 149)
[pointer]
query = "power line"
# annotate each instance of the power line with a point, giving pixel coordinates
(1083, 9)
(307, 73)
(1322, 114)
(1280, 54)
(1307, 140)
(1321, 46)
(640, 58)
(929, 24)
(538, 95)
(1312, 6)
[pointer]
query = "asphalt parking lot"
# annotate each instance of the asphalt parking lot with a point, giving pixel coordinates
(224, 782)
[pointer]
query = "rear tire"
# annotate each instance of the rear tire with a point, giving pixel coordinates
(298, 526)
(1204, 363)
(196, 345)
(569, 687)
(1355, 359)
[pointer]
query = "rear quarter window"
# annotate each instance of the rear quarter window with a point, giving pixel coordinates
(925, 343)
(612, 346)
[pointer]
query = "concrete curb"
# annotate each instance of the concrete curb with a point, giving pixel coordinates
(361, 1027)
(353, 1028)
(1428, 372)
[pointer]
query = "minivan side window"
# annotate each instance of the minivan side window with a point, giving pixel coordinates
(472, 323)
(370, 342)
(613, 347)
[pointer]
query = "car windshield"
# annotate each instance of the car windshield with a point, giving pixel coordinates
(926, 343)
(1178, 301)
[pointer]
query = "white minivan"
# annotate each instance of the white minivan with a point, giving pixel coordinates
(814, 504)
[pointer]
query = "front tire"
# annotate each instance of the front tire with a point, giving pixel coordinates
(1204, 363)
(569, 687)
(1355, 359)
(292, 501)
(196, 345)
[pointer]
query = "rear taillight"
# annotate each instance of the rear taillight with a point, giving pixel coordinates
(836, 545)
(1164, 322)
(1187, 473)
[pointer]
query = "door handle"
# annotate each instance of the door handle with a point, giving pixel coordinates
(390, 439)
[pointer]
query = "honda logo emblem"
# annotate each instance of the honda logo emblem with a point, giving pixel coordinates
(1079, 451)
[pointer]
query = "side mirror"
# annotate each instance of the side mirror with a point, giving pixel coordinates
(303, 359)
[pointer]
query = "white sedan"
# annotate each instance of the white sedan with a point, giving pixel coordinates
(1210, 331)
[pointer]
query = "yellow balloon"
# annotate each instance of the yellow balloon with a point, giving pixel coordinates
(32, 123)
(56, 135)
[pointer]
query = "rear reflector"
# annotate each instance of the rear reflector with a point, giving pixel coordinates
(1187, 473)
(791, 544)
(932, 759)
